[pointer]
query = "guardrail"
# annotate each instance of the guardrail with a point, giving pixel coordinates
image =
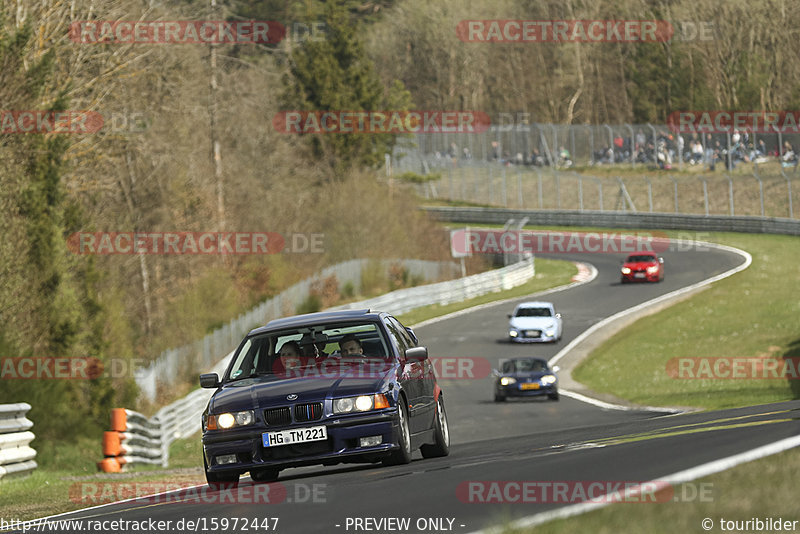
(16, 455)
(176, 364)
(136, 439)
(404, 300)
(602, 219)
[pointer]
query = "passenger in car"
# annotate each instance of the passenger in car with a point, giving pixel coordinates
(350, 345)
(290, 356)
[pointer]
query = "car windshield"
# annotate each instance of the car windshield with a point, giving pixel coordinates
(275, 353)
(640, 258)
(525, 366)
(533, 312)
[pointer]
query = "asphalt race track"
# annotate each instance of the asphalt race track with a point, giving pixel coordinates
(530, 440)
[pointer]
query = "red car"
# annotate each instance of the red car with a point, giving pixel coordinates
(642, 267)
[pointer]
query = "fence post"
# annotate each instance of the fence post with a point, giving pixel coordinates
(633, 144)
(649, 193)
(674, 181)
(541, 199)
(730, 192)
(705, 195)
(505, 190)
(491, 186)
(655, 145)
(789, 188)
(760, 191)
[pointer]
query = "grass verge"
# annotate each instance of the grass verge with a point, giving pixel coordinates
(728, 495)
(749, 315)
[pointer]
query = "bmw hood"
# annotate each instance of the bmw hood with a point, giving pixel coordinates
(271, 390)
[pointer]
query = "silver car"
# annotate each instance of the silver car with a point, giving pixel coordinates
(535, 322)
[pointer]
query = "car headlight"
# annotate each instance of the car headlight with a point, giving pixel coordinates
(507, 380)
(652, 269)
(229, 420)
(548, 379)
(361, 403)
(512, 333)
(626, 270)
(550, 333)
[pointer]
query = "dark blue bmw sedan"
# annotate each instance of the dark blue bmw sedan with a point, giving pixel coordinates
(322, 388)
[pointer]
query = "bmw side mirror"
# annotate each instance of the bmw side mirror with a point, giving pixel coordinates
(210, 380)
(556, 368)
(417, 354)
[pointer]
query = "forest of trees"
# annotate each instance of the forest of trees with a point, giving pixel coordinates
(188, 145)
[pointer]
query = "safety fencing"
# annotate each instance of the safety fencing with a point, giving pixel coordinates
(759, 194)
(16, 455)
(514, 140)
(532, 166)
(183, 363)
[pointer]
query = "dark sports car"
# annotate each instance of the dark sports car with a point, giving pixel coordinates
(526, 377)
(322, 388)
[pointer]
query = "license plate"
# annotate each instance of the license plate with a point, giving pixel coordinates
(639, 275)
(533, 333)
(299, 435)
(530, 385)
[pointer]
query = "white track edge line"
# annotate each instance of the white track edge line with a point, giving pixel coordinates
(687, 475)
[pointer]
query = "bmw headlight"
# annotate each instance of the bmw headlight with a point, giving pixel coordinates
(507, 380)
(548, 379)
(626, 270)
(361, 403)
(228, 420)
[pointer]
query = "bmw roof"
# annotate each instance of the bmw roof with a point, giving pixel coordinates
(316, 318)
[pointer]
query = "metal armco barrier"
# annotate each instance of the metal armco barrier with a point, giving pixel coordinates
(16, 456)
(603, 219)
(133, 438)
(404, 300)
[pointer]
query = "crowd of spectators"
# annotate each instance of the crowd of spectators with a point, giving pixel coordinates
(664, 151)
